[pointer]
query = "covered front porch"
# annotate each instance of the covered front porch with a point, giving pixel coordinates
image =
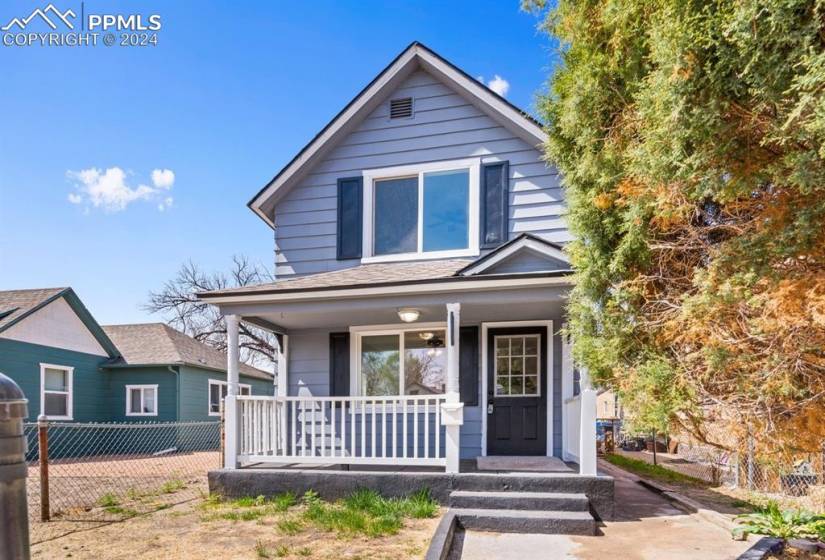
(351, 390)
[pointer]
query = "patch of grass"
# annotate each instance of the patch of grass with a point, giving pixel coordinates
(118, 510)
(261, 551)
(290, 526)
(281, 550)
(247, 508)
(172, 486)
(305, 551)
(367, 513)
(108, 500)
(656, 472)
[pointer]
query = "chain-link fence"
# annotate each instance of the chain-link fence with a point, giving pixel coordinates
(791, 475)
(101, 472)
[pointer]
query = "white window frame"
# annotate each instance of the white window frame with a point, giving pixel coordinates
(142, 388)
(69, 370)
(538, 363)
(241, 387)
(473, 165)
(377, 330)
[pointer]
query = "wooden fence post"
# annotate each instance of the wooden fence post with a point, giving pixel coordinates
(43, 456)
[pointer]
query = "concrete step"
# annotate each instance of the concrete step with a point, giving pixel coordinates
(520, 521)
(539, 501)
(525, 482)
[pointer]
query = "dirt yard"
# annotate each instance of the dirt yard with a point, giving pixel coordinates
(189, 531)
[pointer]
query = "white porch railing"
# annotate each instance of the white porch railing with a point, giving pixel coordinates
(395, 430)
(572, 411)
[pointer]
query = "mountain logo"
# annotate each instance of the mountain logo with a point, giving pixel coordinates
(44, 15)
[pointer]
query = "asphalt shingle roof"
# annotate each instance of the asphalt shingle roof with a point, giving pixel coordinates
(15, 303)
(365, 274)
(160, 344)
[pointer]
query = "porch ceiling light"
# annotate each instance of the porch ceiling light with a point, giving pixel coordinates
(408, 314)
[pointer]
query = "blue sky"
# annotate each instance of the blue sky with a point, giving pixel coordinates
(230, 93)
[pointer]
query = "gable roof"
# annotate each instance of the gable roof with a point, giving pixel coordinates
(16, 305)
(415, 56)
(159, 344)
(525, 242)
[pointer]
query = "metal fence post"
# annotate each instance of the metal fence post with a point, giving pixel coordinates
(43, 456)
(750, 462)
(14, 517)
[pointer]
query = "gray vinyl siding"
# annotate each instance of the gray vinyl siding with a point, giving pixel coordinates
(309, 375)
(445, 127)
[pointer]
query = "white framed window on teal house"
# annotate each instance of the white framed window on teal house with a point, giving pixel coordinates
(56, 388)
(399, 361)
(141, 400)
(217, 392)
(421, 211)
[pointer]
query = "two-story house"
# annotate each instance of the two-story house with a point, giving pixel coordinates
(421, 287)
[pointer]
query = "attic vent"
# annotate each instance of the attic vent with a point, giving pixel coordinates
(401, 108)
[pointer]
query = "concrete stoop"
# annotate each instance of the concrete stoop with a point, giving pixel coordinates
(523, 521)
(542, 501)
(524, 512)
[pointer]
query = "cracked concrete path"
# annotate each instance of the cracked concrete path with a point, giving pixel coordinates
(647, 527)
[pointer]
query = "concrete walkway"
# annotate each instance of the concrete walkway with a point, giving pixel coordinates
(647, 527)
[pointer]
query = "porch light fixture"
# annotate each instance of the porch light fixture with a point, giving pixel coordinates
(408, 314)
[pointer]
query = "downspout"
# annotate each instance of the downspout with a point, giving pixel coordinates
(177, 390)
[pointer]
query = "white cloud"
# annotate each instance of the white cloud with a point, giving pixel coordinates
(109, 191)
(163, 178)
(499, 85)
(166, 204)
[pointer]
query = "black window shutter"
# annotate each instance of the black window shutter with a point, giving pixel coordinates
(495, 213)
(350, 223)
(339, 364)
(468, 374)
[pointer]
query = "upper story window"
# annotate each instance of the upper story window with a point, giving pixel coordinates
(426, 211)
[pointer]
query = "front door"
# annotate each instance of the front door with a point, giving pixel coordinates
(517, 391)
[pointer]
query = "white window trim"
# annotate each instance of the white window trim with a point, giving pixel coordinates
(209, 394)
(549, 359)
(538, 361)
(142, 396)
(377, 330)
(69, 394)
(473, 165)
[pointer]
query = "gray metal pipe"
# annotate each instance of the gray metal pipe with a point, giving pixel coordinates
(14, 517)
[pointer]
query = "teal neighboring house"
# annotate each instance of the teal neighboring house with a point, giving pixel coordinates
(74, 370)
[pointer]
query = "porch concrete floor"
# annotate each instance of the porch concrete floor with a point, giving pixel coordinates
(646, 527)
(527, 464)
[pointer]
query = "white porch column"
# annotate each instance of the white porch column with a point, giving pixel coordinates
(452, 416)
(282, 389)
(587, 427)
(231, 423)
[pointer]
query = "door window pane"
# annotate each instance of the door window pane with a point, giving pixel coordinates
(396, 216)
(425, 362)
(56, 404)
(517, 365)
(55, 380)
(379, 365)
(446, 210)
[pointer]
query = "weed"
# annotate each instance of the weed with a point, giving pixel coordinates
(305, 551)
(172, 486)
(281, 550)
(108, 500)
(261, 550)
(290, 526)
